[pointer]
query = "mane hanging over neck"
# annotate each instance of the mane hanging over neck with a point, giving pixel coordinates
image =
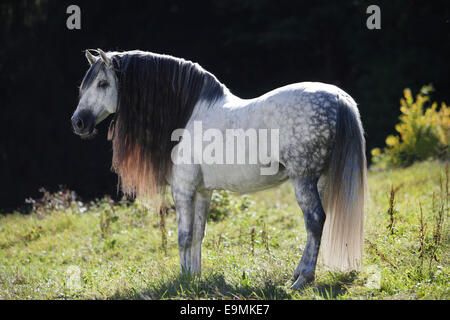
(157, 94)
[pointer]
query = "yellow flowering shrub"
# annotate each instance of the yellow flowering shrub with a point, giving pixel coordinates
(423, 132)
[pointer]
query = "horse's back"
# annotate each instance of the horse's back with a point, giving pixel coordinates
(307, 88)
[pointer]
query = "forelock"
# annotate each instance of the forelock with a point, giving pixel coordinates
(91, 74)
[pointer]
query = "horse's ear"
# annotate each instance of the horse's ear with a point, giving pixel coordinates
(90, 57)
(105, 59)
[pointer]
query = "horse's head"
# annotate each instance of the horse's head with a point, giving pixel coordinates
(98, 94)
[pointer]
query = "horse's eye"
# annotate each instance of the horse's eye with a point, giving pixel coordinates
(103, 84)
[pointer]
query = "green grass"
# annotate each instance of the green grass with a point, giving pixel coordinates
(118, 251)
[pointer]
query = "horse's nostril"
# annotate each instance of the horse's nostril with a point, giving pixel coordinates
(79, 124)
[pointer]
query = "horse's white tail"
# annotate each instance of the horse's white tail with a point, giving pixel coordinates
(345, 193)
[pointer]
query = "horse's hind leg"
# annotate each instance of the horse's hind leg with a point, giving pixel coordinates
(309, 200)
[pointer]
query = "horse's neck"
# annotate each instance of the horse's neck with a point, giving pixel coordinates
(205, 107)
(228, 112)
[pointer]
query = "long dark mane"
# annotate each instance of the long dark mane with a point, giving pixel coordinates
(156, 94)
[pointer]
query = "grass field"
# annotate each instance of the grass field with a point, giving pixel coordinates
(70, 250)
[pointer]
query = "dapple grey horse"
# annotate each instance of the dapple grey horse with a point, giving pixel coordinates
(319, 145)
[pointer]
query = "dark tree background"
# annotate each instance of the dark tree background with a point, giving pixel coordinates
(252, 46)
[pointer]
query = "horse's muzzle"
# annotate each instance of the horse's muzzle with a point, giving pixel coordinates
(83, 122)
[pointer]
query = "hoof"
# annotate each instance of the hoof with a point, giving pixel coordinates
(294, 278)
(302, 282)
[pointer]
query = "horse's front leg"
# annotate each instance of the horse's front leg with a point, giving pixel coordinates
(184, 185)
(202, 201)
(184, 204)
(308, 198)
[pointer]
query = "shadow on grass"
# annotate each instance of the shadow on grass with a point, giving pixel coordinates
(211, 286)
(336, 286)
(214, 286)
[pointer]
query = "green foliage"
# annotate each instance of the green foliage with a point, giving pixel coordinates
(223, 204)
(423, 132)
(107, 217)
(220, 206)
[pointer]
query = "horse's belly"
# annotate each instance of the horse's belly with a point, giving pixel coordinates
(241, 178)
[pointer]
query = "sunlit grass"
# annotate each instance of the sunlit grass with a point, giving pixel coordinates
(250, 254)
